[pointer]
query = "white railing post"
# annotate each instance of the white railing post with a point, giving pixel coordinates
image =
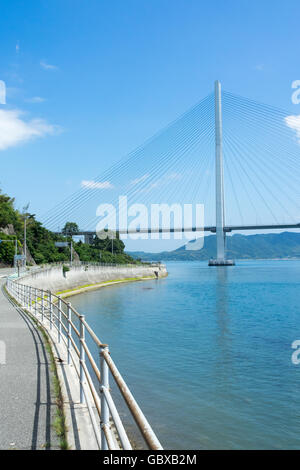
(43, 306)
(69, 332)
(82, 357)
(35, 303)
(30, 298)
(50, 309)
(59, 319)
(104, 382)
(46, 301)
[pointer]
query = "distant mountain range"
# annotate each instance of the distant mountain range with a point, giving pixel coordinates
(261, 246)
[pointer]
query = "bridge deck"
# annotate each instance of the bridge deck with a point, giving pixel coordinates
(27, 403)
(229, 228)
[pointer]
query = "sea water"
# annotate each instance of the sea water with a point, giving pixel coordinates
(207, 351)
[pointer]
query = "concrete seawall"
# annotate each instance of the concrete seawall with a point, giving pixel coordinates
(55, 280)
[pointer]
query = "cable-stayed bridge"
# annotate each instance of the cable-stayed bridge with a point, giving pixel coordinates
(237, 157)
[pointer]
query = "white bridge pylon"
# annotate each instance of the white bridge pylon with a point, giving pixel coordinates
(220, 206)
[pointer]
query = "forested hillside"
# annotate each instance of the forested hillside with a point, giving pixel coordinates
(258, 246)
(41, 242)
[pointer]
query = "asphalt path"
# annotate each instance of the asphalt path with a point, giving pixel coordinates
(27, 401)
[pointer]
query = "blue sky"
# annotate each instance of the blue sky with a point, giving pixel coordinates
(88, 81)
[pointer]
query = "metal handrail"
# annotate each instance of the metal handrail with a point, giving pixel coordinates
(92, 263)
(46, 306)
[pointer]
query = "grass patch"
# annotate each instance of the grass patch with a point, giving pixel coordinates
(59, 423)
(127, 279)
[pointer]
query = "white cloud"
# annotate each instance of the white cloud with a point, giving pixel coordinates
(96, 184)
(35, 99)
(140, 180)
(293, 122)
(14, 130)
(259, 67)
(46, 66)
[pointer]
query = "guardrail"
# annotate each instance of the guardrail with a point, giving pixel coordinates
(96, 263)
(52, 312)
(74, 264)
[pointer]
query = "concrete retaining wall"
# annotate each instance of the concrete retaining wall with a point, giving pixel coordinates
(54, 279)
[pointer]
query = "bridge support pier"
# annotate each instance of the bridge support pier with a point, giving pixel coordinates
(88, 238)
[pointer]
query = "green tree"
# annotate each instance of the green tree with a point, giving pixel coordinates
(7, 249)
(70, 228)
(115, 245)
(8, 215)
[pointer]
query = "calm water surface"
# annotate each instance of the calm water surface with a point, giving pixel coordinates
(207, 352)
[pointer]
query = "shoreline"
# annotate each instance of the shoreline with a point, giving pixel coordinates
(89, 287)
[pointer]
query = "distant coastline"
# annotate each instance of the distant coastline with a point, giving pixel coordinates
(271, 246)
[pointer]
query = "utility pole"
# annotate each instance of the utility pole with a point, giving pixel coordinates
(25, 254)
(25, 209)
(16, 252)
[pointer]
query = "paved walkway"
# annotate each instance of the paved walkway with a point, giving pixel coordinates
(27, 402)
